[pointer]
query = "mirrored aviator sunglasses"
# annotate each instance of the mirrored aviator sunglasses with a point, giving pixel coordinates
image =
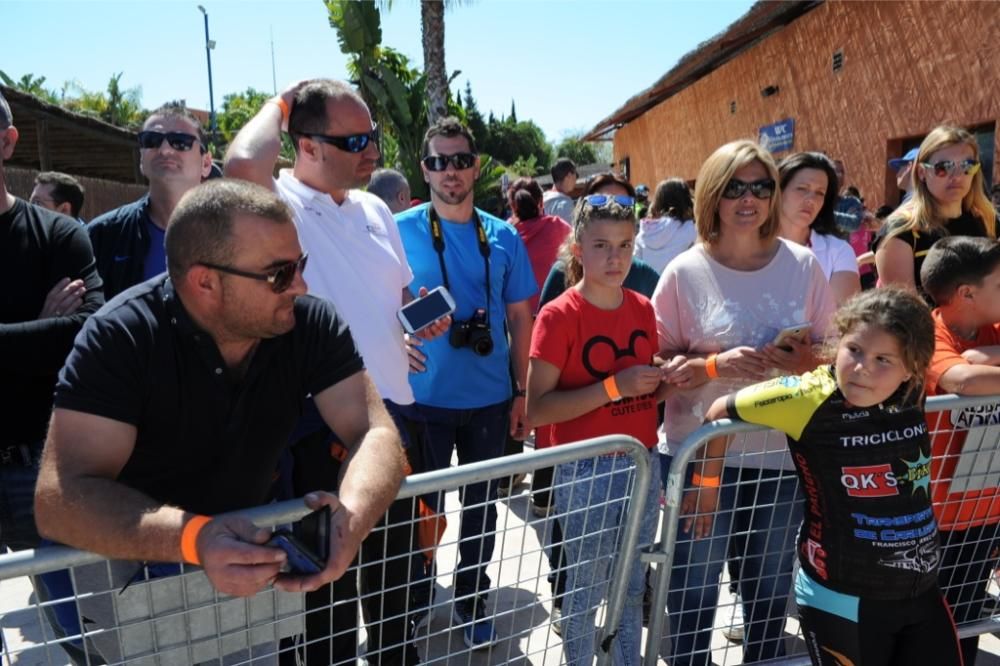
(603, 200)
(460, 161)
(951, 168)
(760, 189)
(352, 143)
(177, 140)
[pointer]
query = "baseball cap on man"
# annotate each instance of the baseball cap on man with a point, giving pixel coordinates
(897, 162)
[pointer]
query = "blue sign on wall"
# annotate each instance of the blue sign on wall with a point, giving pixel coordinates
(778, 137)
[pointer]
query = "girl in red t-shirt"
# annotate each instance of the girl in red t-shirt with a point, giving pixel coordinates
(592, 373)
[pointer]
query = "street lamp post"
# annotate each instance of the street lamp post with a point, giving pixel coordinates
(209, 45)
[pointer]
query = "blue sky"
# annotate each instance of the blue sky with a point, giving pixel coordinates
(566, 63)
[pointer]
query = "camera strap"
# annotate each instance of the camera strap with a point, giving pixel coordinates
(484, 249)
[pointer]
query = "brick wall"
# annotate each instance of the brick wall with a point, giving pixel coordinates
(908, 66)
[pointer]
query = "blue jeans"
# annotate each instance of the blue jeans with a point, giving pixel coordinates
(477, 435)
(592, 500)
(761, 509)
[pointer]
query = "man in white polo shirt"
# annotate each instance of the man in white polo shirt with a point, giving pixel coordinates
(358, 263)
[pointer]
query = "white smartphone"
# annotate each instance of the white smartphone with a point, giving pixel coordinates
(422, 312)
(799, 332)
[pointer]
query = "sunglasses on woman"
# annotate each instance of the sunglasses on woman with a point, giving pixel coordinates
(460, 161)
(177, 140)
(761, 189)
(280, 277)
(952, 168)
(603, 200)
(352, 143)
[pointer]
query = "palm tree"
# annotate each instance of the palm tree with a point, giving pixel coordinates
(432, 35)
(31, 84)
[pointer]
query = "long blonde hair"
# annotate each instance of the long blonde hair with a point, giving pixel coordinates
(922, 213)
(716, 173)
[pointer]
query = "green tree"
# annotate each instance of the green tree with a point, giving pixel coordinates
(475, 120)
(31, 84)
(575, 149)
(508, 141)
(523, 166)
(236, 111)
(116, 105)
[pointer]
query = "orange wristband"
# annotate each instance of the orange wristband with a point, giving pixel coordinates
(189, 538)
(711, 369)
(611, 388)
(706, 481)
(283, 105)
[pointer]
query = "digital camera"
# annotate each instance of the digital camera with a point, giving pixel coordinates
(473, 333)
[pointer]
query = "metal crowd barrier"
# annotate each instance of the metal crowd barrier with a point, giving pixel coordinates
(976, 460)
(180, 619)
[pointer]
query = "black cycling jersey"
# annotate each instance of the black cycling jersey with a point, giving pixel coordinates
(869, 529)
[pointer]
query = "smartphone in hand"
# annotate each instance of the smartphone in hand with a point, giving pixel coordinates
(799, 332)
(307, 545)
(421, 312)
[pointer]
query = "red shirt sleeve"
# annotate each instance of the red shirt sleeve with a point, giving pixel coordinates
(550, 336)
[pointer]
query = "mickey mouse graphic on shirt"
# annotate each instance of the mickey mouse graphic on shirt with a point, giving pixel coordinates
(599, 347)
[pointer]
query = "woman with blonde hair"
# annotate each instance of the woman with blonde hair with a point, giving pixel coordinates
(722, 304)
(949, 199)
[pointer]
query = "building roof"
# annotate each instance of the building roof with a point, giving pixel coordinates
(55, 139)
(764, 18)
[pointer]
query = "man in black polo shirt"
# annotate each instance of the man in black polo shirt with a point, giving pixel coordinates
(174, 157)
(179, 396)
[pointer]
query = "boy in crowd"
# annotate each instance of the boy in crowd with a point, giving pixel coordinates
(962, 275)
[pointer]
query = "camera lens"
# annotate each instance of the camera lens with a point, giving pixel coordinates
(483, 344)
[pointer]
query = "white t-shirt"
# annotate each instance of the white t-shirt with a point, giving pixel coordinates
(660, 239)
(357, 262)
(835, 255)
(558, 204)
(704, 307)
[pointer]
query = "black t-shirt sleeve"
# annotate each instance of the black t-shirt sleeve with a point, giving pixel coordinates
(330, 355)
(104, 372)
(39, 347)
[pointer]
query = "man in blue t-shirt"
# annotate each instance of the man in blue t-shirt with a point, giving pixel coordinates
(174, 157)
(463, 386)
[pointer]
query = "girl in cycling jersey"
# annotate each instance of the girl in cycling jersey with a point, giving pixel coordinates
(867, 587)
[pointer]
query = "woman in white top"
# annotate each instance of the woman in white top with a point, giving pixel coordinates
(808, 196)
(669, 229)
(721, 304)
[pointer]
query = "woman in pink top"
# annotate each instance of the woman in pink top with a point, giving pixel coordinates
(542, 234)
(721, 304)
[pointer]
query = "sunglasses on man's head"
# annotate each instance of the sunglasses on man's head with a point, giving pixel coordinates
(352, 143)
(603, 200)
(280, 277)
(951, 168)
(761, 189)
(460, 161)
(177, 140)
